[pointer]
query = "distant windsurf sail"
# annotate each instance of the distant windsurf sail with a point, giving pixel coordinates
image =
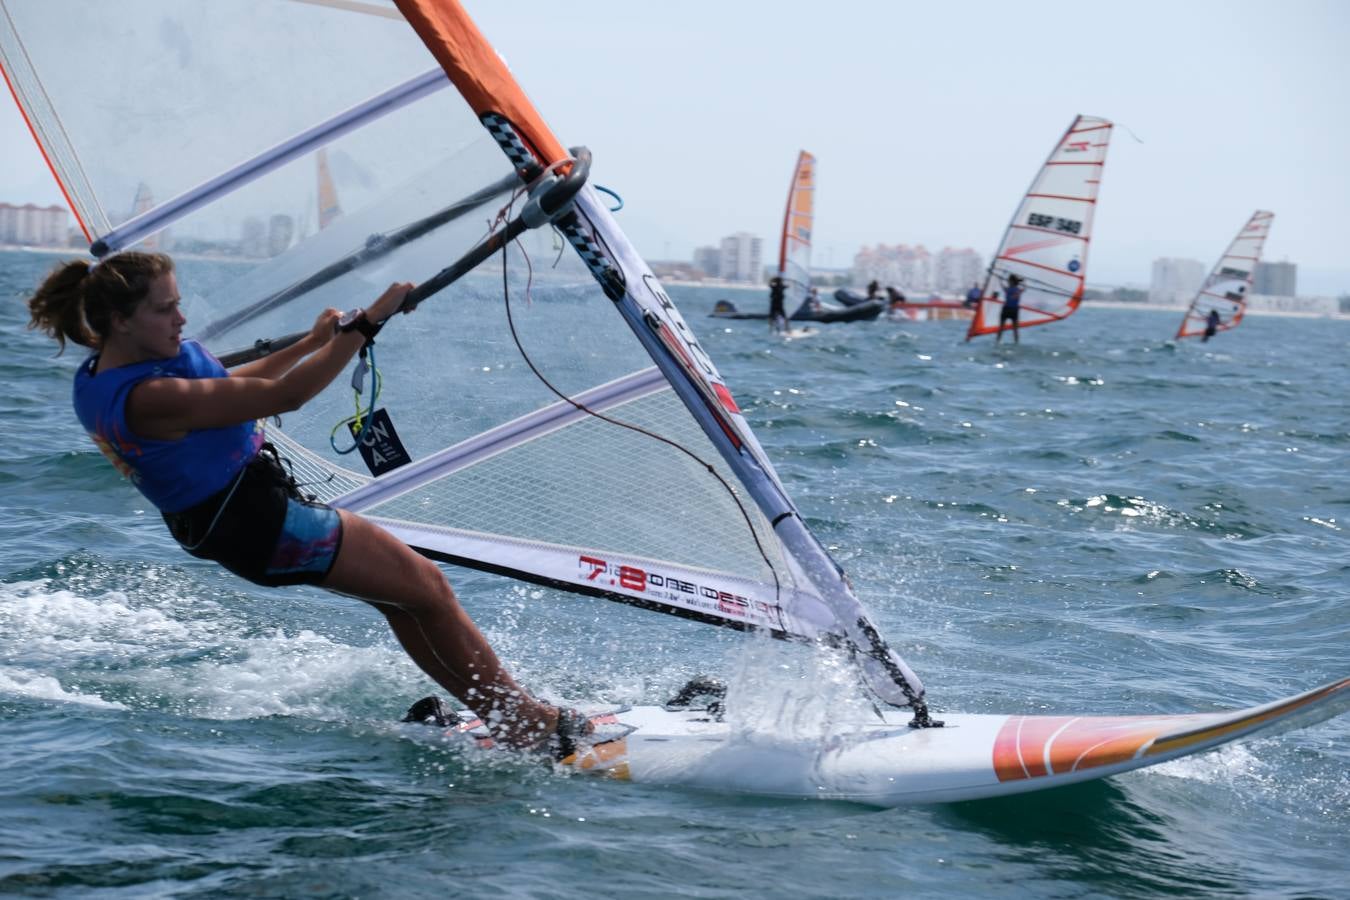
(552, 441)
(1224, 293)
(794, 250)
(1046, 244)
(329, 209)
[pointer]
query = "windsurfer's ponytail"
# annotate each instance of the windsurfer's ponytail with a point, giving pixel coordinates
(77, 300)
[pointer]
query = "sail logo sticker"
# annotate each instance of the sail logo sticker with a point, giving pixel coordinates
(670, 589)
(1076, 147)
(1074, 265)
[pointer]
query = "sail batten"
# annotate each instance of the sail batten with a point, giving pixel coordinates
(165, 214)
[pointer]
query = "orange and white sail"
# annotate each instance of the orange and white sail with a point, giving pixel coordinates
(794, 249)
(1223, 296)
(1046, 244)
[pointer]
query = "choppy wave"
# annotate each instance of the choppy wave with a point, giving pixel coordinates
(1095, 521)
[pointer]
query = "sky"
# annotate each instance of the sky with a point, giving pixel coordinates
(929, 120)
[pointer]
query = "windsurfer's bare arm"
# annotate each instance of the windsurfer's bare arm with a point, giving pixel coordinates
(168, 408)
(274, 365)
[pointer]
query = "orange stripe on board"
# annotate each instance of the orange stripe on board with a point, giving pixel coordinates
(474, 67)
(1185, 740)
(607, 757)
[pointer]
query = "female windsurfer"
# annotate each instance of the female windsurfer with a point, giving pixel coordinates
(1012, 306)
(189, 435)
(1212, 323)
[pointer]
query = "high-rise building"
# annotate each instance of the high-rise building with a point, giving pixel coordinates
(709, 259)
(253, 238)
(39, 226)
(1275, 279)
(957, 270)
(908, 268)
(740, 255)
(1175, 281)
(280, 231)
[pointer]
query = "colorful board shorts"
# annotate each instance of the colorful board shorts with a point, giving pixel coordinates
(261, 528)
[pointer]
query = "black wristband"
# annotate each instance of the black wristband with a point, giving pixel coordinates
(357, 320)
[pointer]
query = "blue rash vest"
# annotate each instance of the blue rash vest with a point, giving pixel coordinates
(173, 475)
(1012, 296)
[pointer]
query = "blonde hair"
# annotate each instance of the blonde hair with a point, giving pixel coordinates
(77, 299)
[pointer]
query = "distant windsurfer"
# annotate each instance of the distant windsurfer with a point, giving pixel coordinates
(1212, 323)
(1012, 307)
(777, 316)
(973, 296)
(189, 435)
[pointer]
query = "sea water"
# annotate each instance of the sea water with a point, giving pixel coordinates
(1095, 521)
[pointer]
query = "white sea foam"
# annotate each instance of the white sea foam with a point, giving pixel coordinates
(23, 683)
(182, 651)
(40, 625)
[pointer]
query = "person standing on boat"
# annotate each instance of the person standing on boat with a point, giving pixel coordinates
(1012, 307)
(873, 290)
(777, 316)
(896, 297)
(973, 296)
(1212, 323)
(189, 435)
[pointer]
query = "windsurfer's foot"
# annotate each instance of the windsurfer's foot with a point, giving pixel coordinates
(571, 728)
(553, 730)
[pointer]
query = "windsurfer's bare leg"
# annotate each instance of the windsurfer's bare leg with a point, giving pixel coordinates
(434, 629)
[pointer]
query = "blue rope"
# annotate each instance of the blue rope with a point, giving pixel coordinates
(605, 190)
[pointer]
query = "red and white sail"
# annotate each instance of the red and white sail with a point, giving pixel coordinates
(794, 250)
(1046, 244)
(1224, 293)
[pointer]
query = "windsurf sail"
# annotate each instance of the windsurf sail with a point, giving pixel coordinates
(329, 208)
(1046, 243)
(794, 249)
(564, 424)
(1223, 297)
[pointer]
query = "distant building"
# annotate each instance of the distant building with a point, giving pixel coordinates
(1175, 281)
(674, 270)
(905, 267)
(34, 226)
(1276, 279)
(280, 231)
(159, 241)
(740, 255)
(253, 237)
(1284, 303)
(708, 260)
(957, 270)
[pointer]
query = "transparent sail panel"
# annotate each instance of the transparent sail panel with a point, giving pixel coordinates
(546, 490)
(504, 474)
(154, 97)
